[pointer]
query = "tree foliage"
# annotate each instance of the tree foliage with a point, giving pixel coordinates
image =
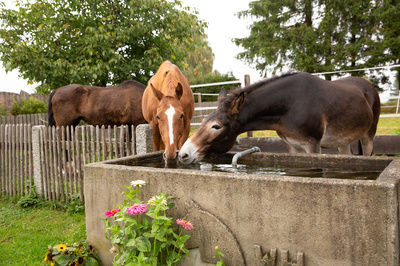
(199, 62)
(58, 42)
(322, 35)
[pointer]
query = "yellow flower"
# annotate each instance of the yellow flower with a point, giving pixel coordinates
(61, 247)
(52, 263)
(45, 258)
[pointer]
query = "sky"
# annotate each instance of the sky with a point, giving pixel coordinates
(223, 26)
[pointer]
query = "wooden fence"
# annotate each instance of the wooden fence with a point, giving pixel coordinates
(32, 119)
(16, 173)
(52, 158)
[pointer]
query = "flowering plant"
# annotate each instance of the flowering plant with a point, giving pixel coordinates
(142, 234)
(74, 255)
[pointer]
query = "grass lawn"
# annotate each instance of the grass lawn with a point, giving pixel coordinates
(25, 234)
(386, 126)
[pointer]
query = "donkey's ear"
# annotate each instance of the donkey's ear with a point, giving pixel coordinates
(237, 103)
(222, 94)
(179, 90)
(156, 92)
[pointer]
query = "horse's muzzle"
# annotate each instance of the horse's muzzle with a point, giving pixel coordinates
(170, 158)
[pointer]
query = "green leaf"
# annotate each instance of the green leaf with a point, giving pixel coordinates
(131, 243)
(90, 261)
(143, 244)
(62, 260)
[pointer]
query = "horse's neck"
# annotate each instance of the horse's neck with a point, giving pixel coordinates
(263, 107)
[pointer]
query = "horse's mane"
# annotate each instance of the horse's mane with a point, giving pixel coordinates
(248, 89)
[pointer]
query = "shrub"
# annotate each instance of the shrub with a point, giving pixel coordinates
(3, 110)
(28, 106)
(142, 234)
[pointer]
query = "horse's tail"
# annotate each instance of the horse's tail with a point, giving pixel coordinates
(51, 120)
(374, 101)
(376, 111)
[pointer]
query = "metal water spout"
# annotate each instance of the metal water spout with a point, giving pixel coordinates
(243, 153)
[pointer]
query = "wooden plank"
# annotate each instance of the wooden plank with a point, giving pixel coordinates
(121, 141)
(103, 143)
(21, 159)
(70, 158)
(75, 157)
(83, 145)
(18, 176)
(60, 166)
(30, 157)
(110, 146)
(133, 139)
(115, 141)
(79, 166)
(92, 146)
(64, 156)
(13, 174)
(25, 148)
(42, 162)
(7, 158)
(98, 152)
(54, 163)
(2, 161)
(46, 140)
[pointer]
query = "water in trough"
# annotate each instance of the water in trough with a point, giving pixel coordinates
(222, 164)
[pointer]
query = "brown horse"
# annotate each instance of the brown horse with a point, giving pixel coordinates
(307, 113)
(168, 106)
(115, 105)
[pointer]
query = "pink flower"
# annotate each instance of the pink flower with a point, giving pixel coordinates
(137, 209)
(112, 212)
(185, 224)
(109, 214)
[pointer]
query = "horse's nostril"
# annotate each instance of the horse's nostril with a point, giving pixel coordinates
(185, 156)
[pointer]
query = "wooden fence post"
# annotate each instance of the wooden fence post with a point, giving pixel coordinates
(247, 83)
(37, 159)
(144, 139)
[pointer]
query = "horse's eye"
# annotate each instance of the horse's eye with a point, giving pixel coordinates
(158, 117)
(216, 126)
(181, 117)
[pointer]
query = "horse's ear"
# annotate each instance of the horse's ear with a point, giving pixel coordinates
(156, 92)
(179, 90)
(222, 94)
(237, 103)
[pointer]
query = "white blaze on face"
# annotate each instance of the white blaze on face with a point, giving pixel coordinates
(170, 115)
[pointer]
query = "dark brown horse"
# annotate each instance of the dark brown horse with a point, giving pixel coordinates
(168, 106)
(115, 105)
(307, 113)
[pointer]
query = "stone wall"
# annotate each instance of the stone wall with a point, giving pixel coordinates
(265, 219)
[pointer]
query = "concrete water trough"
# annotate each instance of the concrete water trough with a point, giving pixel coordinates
(265, 219)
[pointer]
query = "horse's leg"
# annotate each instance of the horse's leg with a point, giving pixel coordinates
(367, 144)
(345, 149)
(313, 147)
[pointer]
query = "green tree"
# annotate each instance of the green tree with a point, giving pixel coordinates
(58, 42)
(322, 35)
(199, 62)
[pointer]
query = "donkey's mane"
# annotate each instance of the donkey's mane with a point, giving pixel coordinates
(236, 92)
